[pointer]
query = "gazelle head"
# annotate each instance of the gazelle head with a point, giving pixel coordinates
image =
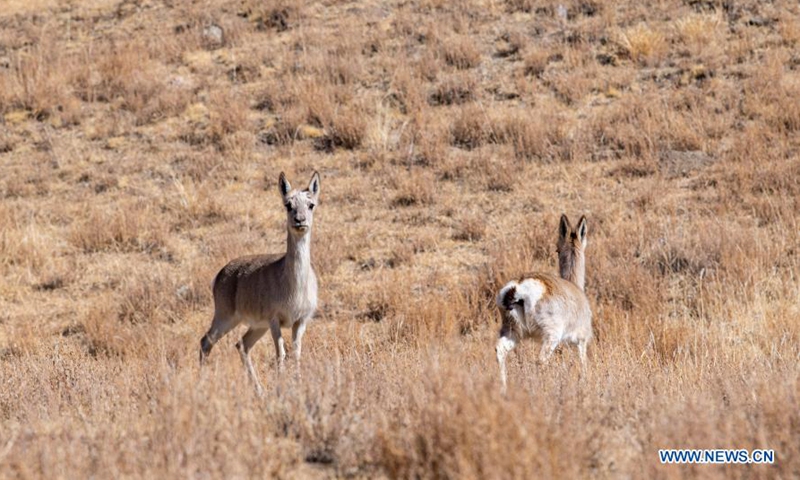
(571, 247)
(299, 204)
(569, 239)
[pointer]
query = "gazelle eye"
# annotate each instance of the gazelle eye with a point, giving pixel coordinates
(311, 206)
(288, 206)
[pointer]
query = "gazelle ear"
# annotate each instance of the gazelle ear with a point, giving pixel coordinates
(314, 184)
(582, 229)
(563, 227)
(283, 185)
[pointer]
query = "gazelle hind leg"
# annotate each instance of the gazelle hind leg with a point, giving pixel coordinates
(221, 325)
(582, 353)
(548, 347)
(245, 345)
(504, 345)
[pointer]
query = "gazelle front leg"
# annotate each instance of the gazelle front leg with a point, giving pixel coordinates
(280, 349)
(298, 330)
(505, 344)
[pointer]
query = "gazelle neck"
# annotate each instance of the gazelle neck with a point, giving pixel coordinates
(572, 266)
(298, 256)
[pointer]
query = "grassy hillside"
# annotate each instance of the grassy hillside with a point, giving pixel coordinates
(140, 146)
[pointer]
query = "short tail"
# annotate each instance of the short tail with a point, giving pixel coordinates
(508, 298)
(512, 308)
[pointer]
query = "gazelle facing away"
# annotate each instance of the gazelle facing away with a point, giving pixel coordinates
(546, 306)
(267, 292)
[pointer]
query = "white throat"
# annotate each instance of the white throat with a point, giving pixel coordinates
(298, 257)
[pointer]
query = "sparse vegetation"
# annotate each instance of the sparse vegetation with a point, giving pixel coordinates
(140, 144)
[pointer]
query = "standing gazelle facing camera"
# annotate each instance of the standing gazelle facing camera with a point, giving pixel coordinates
(552, 308)
(267, 292)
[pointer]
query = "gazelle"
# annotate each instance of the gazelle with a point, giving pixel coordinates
(552, 308)
(267, 292)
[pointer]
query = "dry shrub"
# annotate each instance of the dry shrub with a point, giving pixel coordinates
(287, 128)
(520, 5)
(571, 8)
(681, 132)
(698, 31)
(453, 433)
(571, 88)
(634, 169)
(773, 96)
(643, 44)
(270, 95)
(426, 140)
(129, 229)
(129, 74)
(454, 90)
(323, 417)
(156, 295)
(239, 146)
(535, 62)
(782, 180)
(428, 66)
(101, 334)
(7, 141)
(332, 61)
(346, 128)
(497, 174)
(789, 29)
(461, 52)
(534, 137)
(407, 93)
(26, 244)
(208, 29)
(415, 188)
(227, 114)
(321, 101)
(280, 15)
(38, 80)
(622, 285)
(469, 129)
(384, 133)
(626, 128)
(227, 120)
(416, 320)
(195, 204)
(108, 125)
(516, 42)
(342, 65)
(156, 396)
(470, 228)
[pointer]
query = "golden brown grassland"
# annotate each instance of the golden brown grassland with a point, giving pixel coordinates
(140, 152)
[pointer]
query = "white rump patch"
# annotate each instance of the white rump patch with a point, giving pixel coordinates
(530, 291)
(525, 296)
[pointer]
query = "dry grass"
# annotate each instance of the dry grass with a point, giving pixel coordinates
(643, 44)
(139, 153)
(461, 52)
